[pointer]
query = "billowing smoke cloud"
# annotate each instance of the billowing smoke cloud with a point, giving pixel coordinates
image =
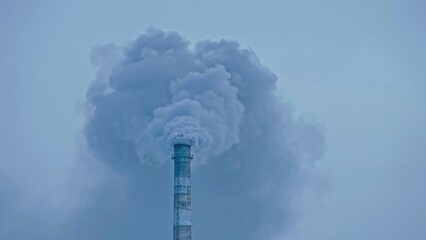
(204, 112)
(157, 91)
(164, 95)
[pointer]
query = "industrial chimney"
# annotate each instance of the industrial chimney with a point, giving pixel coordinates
(182, 192)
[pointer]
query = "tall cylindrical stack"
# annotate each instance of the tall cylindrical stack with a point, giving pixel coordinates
(182, 192)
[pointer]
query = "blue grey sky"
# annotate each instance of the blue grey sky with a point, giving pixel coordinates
(354, 68)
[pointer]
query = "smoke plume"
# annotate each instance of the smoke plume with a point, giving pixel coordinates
(204, 111)
(252, 154)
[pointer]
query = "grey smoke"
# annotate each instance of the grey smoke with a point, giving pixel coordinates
(251, 152)
(204, 111)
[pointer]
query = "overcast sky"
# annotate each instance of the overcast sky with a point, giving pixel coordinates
(357, 69)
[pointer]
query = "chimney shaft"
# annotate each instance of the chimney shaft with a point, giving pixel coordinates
(182, 192)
